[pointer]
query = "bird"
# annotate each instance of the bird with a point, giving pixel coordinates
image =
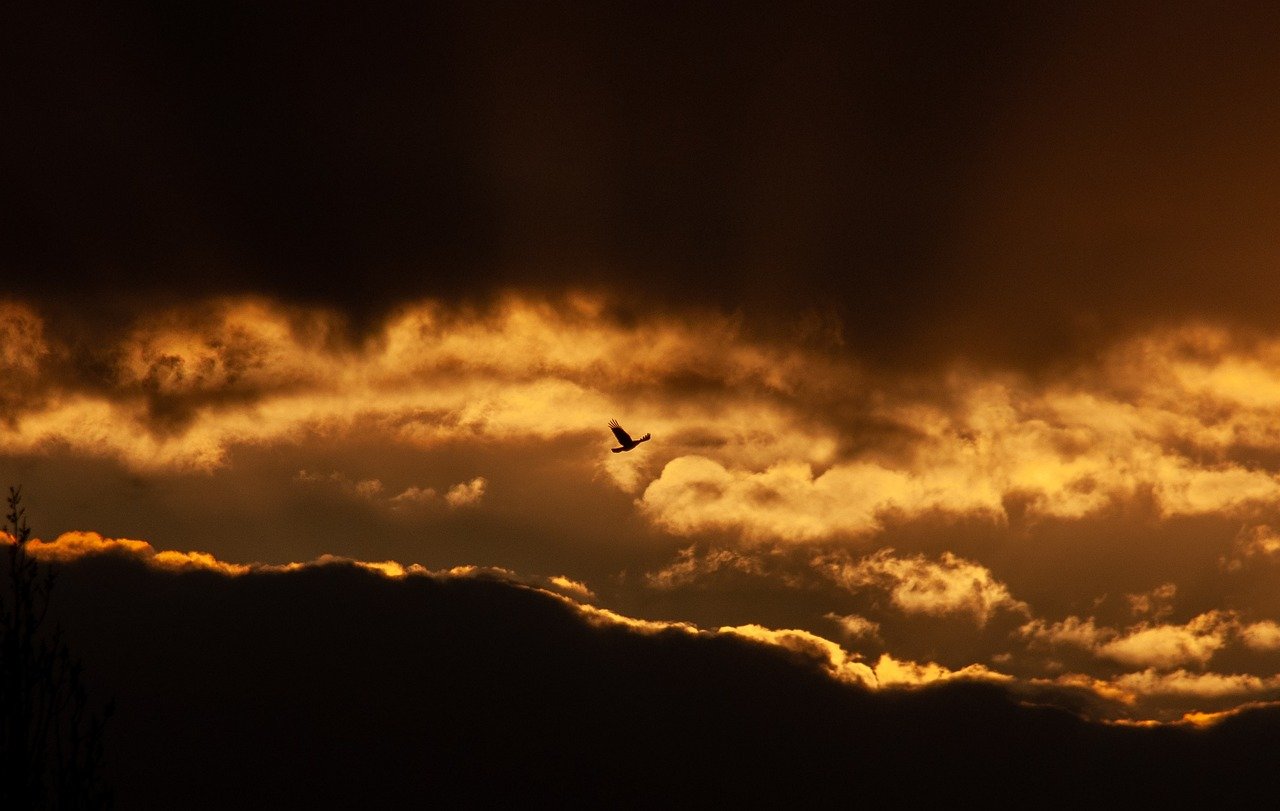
(624, 439)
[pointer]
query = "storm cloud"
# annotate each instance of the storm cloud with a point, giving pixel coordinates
(996, 180)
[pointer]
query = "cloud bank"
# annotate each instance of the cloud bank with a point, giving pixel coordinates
(488, 688)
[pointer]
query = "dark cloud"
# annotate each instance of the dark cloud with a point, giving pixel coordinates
(331, 686)
(1007, 181)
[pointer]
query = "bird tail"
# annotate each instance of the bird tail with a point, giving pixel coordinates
(644, 438)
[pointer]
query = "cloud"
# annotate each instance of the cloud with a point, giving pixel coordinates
(575, 588)
(1210, 719)
(186, 384)
(1181, 683)
(788, 502)
(415, 495)
(462, 494)
(466, 494)
(1178, 418)
(1264, 635)
(471, 664)
(917, 585)
(70, 546)
(1157, 603)
(1259, 542)
(854, 626)
(765, 440)
(891, 672)
(22, 343)
(1167, 646)
(690, 567)
(835, 659)
(1159, 649)
(1070, 631)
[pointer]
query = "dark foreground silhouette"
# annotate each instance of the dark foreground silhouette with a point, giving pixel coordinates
(334, 687)
(624, 439)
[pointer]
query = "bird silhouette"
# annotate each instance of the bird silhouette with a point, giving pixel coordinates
(624, 439)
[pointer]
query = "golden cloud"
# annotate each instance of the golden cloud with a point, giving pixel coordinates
(576, 588)
(465, 494)
(1157, 603)
(689, 567)
(1182, 683)
(462, 494)
(1207, 719)
(1264, 635)
(891, 672)
(1257, 542)
(855, 626)
(917, 585)
(1161, 417)
(768, 441)
(74, 545)
(836, 660)
(1167, 646)
(1082, 633)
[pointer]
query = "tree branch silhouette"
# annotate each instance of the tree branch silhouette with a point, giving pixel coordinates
(51, 742)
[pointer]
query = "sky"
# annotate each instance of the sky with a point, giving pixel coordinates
(953, 325)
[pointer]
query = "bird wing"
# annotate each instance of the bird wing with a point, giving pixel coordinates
(623, 437)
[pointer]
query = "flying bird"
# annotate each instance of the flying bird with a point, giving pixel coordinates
(624, 439)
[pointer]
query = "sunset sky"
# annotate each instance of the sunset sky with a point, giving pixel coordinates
(954, 326)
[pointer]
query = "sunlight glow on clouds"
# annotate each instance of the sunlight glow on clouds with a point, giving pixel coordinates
(891, 672)
(1254, 543)
(745, 443)
(1156, 646)
(917, 585)
(462, 494)
(774, 461)
(855, 627)
(1264, 635)
(74, 545)
(690, 567)
(1166, 646)
(1152, 682)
